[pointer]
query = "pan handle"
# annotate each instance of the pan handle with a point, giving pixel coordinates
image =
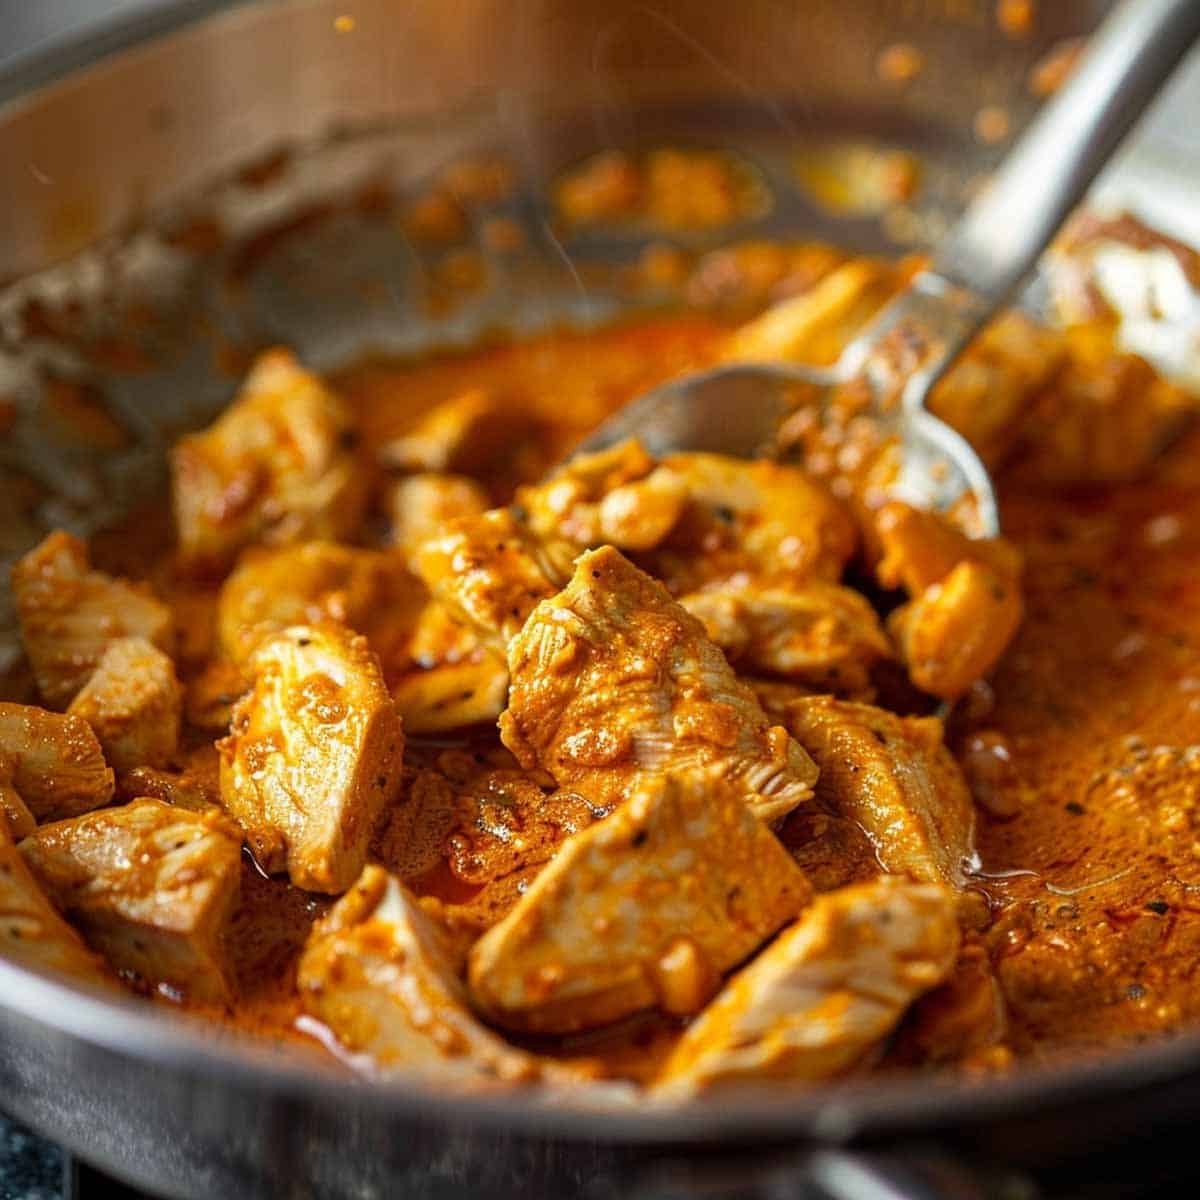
(903, 1173)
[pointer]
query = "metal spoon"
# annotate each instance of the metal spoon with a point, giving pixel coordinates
(739, 408)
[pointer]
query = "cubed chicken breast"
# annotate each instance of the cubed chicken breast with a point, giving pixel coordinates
(647, 908)
(150, 886)
(365, 590)
(611, 679)
(69, 614)
(57, 766)
(384, 978)
(490, 571)
(823, 995)
(133, 703)
(21, 822)
(466, 433)
(821, 635)
(453, 695)
(278, 466)
(313, 755)
(420, 506)
(32, 933)
(611, 497)
(965, 594)
(894, 777)
(695, 519)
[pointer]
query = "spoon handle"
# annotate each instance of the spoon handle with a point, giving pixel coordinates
(1000, 237)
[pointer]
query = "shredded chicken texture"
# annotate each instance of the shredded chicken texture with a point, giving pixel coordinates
(816, 1002)
(895, 778)
(822, 635)
(382, 975)
(133, 703)
(69, 614)
(648, 908)
(32, 933)
(278, 466)
(55, 762)
(313, 755)
(612, 679)
(151, 887)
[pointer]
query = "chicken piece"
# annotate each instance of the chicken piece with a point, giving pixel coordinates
(614, 497)
(762, 518)
(57, 766)
(894, 777)
(452, 695)
(464, 434)
(490, 572)
(814, 328)
(313, 755)
(1104, 418)
(278, 466)
(420, 506)
(611, 679)
(133, 703)
(150, 886)
(966, 598)
(21, 822)
(381, 974)
(32, 934)
(368, 591)
(822, 635)
(70, 613)
(817, 1001)
(986, 394)
(921, 548)
(955, 631)
(648, 908)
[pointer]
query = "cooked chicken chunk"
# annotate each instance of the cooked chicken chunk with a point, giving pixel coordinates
(647, 908)
(893, 776)
(452, 695)
(313, 755)
(490, 571)
(819, 999)
(697, 518)
(814, 327)
(616, 497)
(150, 886)
(277, 466)
(368, 591)
(466, 433)
(988, 391)
(822, 635)
(21, 822)
(32, 933)
(966, 598)
(70, 613)
(382, 975)
(611, 679)
(58, 768)
(420, 506)
(955, 631)
(133, 703)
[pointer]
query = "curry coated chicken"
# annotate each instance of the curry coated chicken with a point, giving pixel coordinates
(456, 754)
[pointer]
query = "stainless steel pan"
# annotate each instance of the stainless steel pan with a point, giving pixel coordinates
(111, 149)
